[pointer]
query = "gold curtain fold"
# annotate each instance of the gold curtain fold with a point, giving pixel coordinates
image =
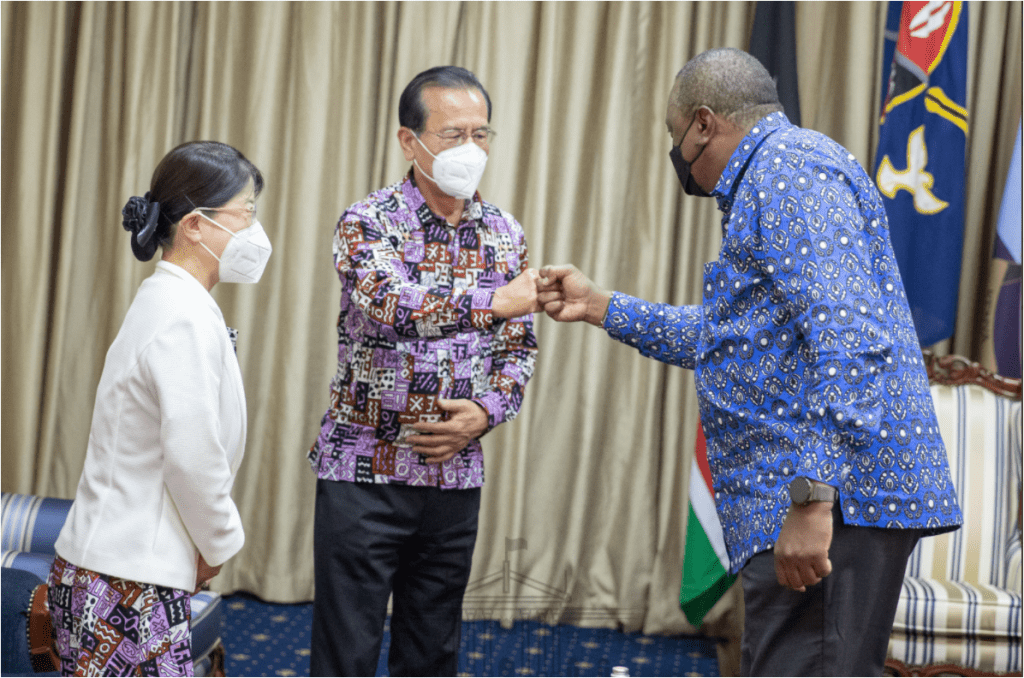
(584, 509)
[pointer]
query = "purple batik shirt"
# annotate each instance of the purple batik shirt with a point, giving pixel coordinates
(415, 326)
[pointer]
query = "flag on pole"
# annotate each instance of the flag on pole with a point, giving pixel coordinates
(1006, 326)
(920, 159)
(514, 544)
(706, 575)
(773, 42)
(892, 34)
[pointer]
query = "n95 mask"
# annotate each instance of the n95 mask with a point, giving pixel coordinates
(245, 256)
(457, 171)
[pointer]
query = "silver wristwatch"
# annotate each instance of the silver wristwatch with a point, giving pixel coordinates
(803, 491)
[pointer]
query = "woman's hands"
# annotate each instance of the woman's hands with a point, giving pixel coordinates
(204, 573)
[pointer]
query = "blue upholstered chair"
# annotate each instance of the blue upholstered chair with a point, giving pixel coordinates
(30, 528)
(16, 658)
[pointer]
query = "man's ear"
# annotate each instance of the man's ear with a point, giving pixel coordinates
(707, 124)
(407, 140)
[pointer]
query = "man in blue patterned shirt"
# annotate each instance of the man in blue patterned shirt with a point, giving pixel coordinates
(435, 347)
(822, 439)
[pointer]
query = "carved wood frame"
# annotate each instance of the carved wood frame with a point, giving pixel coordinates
(956, 370)
(894, 667)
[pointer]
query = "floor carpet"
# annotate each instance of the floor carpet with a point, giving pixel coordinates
(268, 639)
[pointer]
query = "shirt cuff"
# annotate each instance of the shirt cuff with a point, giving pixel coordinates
(621, 311)
(494, 406)
(481, 315)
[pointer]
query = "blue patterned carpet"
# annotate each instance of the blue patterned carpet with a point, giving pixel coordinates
(266, 639)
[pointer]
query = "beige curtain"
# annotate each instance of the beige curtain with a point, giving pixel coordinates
(584, 510)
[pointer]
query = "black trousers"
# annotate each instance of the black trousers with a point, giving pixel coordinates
(371, 541)
(839, 627)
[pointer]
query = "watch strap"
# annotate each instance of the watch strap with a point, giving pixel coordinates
(822, 492)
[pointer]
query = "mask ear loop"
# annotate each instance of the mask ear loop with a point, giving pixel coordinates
(202, 244)
(425, 146)
(195, 210)
(415, 162)
(199, 211)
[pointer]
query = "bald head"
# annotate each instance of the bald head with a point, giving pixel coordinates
(731, 82)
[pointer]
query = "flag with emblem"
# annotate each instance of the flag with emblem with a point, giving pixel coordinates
(1006, 327)
(706, 575)
(920, 160)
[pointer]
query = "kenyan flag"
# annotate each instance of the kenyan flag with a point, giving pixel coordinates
(706, 575)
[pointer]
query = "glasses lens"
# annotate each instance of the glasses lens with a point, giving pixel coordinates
(247, 212)
(451, 138)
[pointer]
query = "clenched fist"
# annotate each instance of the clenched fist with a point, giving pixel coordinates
(517, 298)
(569, 296)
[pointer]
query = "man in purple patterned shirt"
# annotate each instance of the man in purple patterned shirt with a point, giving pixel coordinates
(435, 346)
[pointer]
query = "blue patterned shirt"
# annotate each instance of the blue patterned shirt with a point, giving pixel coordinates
(804, 350)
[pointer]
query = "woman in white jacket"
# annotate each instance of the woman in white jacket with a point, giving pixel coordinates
(153, 518)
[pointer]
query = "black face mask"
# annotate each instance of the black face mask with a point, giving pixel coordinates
(690, 186)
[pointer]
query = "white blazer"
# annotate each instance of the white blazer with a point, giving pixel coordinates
(168, 434)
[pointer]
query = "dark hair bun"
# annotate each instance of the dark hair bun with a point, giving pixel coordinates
(140, 217)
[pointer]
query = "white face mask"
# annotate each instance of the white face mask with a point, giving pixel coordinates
(457, 171)
(245, 256)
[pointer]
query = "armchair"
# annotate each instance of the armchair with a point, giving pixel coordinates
(30, 526)
(960, 608)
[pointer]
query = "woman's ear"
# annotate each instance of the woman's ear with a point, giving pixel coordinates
(188, 228)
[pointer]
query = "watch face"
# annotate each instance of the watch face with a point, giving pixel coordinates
(799, 490)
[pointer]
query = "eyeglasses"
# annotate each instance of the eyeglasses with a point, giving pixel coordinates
(246, 211)
(456, 137)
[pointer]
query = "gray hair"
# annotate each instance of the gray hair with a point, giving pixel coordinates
(732, 83)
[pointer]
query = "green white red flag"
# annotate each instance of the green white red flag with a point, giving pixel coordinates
(706, 575)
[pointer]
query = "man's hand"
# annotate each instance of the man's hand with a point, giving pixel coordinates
(801, 554)
(569, 296)
(443, 440)
(517, 298)
(204, 573)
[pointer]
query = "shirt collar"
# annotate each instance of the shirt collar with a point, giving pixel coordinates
(414, 199)
(190, 280)
(725, 189)
(179, 272)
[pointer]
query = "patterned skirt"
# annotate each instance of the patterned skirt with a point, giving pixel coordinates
(107, 626)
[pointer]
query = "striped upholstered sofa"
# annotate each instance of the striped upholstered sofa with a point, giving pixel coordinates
(960, 608)
(30, 528)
